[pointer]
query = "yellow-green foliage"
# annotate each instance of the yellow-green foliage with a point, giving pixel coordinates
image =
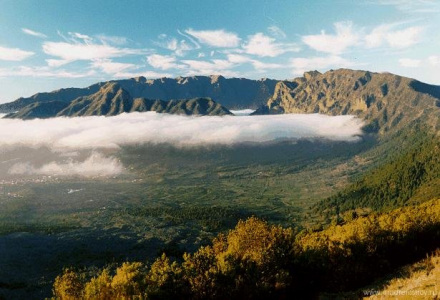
(68, 286)
(397, 225)
(164, 279)
(100, 287)
(259, 260)
(128, 281)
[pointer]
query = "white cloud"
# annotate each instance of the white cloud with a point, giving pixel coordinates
(34, 33)
(301, 65)
(14, 54)
(410, 63)
(346, 36)
(276, 32)
(238, 58)
(84, 37)
(263, 45)
(261, 66)
(343, 38)
(404, 38)
(83, 47)
(413, 6)
(96, 165)
(258, 65)
(73, 52)
(110, 67)
(215, 38)
(70, 134)
(110, 39)
(24, 71)
(178, 47)
(163, 62)
(56, 62)
(385, 35)
(434, 60)
(147, 74)
(213, 67)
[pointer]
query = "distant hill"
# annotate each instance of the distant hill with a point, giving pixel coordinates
(230, 92)
(111, 99)
(62, 95)
(385, 101)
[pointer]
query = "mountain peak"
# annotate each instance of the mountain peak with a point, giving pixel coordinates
(216, 78)
(385, 102)
(311, 74)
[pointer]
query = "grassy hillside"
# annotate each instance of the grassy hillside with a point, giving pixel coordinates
(415, 281)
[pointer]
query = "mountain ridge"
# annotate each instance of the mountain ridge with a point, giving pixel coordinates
(112, 99)
(230, 92)
(385, 101)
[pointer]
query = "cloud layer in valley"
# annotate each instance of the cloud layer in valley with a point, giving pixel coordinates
(67, 134)
(95, 165)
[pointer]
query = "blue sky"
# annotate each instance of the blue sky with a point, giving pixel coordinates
(50, 44)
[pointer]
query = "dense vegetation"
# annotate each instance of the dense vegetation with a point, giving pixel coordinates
(259, 260)
(412, 176)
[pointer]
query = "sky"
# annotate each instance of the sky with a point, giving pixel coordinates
(51, 44)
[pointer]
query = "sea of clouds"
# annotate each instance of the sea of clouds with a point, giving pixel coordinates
(68, 135)
(96, 165)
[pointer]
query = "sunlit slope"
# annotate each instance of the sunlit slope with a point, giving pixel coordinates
(229, 92)
(111, 99)
(417, 281)
(386, 102)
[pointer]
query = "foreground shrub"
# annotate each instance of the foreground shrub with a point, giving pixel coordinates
(257, 260)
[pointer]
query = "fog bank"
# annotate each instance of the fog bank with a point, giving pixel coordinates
(68, 134)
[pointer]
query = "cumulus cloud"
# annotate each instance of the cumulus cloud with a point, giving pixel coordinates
(179, 47)
(110, 67)
(410, 63)
(95, 165)
(337, 43)
(163, 62)
(215, 66)
(262, 45)
(14, 54)
(215, 38)
(258, 65)
(70, 134)
(301, 65)
(434, 60)
(346, 36)
(34, 33)
(388, 36)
